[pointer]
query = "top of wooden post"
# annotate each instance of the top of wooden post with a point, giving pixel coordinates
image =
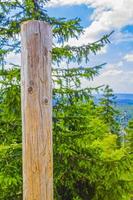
(34, 21)
(40, 28)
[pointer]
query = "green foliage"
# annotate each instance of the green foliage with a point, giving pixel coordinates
(10, 172)
(10, 135)
(88, 163)
(129, 136)
(107, 109)
(13, 13)
(10, 115)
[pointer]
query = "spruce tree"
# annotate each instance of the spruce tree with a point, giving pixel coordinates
(129, 136)
(108, 110)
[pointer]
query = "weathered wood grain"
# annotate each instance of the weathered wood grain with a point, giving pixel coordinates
(36, 37)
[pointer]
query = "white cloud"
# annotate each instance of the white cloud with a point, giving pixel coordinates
(110, 73)
(119, 37)
(107, 15)
(129, 57)
(57, 3)
(14, 59)
(115, 76)
(112, 70)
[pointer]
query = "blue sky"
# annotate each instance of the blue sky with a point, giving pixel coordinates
(100, 17)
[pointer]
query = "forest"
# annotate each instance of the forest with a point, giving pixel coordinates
(93, 155)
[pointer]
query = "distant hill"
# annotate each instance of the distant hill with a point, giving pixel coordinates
(124, 99)
(124, 103)
(121, 99)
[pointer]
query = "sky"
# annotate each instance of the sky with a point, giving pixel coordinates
(99, 17)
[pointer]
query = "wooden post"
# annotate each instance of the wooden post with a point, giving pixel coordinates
(37, 111)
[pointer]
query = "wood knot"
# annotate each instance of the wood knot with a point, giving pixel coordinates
(30, 90)
(31, 82)
(45, 101)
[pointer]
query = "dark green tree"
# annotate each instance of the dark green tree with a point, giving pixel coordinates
(10, 135)
(107, 109)
(88, 160)
(129, 136)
